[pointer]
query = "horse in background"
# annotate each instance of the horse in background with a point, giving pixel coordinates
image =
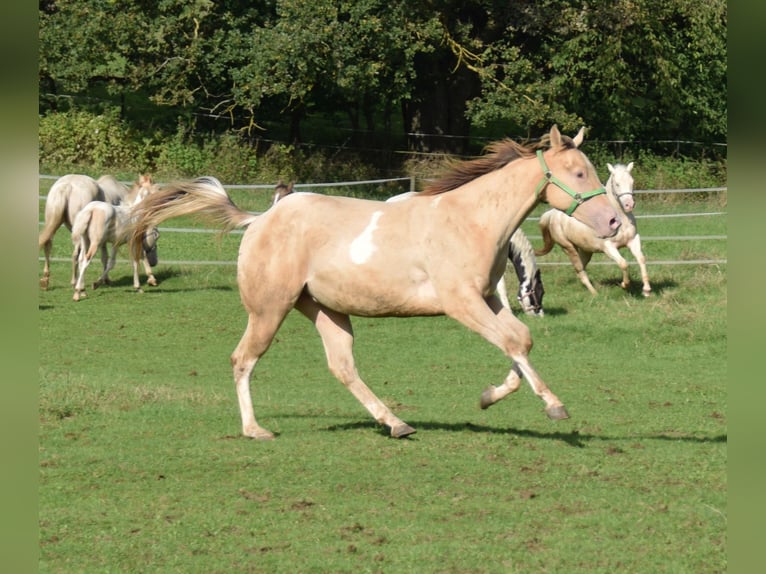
(580, 243)
(522, 255)
(116, 192)
(99, 223)
(282, 189)
(68, 196)
(359, 257)
(531, 291)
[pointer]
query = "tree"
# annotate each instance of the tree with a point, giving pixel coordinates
(630, 69)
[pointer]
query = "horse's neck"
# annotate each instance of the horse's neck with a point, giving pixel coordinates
(499, 200)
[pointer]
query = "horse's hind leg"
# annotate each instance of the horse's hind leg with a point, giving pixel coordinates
(338, 339)
(107, 263)
(251, 347)
(580, 259)
(45, 279)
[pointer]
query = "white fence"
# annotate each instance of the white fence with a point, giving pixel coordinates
(307, 186)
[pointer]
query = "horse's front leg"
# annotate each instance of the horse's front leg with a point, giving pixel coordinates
(501, 328)
(502, 292)
(611, 251)
(579, 266)
(635, 248)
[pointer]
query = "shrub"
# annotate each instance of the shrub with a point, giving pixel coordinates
(83, 141)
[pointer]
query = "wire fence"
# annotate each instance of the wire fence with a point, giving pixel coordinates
(306, 186)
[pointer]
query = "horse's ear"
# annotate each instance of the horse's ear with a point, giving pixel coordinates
(555, 136)
(629, 167)
(290, 187)
(579, 137)
(610, 167)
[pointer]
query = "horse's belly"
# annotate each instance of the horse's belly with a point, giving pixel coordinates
(374, 295)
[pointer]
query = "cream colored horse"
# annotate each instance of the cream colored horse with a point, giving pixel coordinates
(350, 256)
(99, 223)
(68, 196)
(579, 241)
(520, 252)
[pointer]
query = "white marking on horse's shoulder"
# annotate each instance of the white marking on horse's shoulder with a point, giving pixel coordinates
(363, 246)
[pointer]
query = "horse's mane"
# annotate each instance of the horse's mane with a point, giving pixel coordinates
(496, 155)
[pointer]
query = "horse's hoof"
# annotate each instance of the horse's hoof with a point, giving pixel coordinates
(402, 430)
(557, 413)
(259, 434)
(486, 398)
(646, 293)
(79, 295)
(151, 281)
(44, 284)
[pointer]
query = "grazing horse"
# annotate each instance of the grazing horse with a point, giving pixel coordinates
(531, 291)
(117, 192)
(580, 243)
(68, 196)
(99, 223)
(520, 252)
(351, 256)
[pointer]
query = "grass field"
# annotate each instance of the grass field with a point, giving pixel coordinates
(142, 467)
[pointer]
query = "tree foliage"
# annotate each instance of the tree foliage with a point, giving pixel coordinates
(630, 69)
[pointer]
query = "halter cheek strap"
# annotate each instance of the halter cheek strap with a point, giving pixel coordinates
(577, 198)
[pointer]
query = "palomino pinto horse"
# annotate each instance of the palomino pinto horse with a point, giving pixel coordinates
(351, 256)
(520, 252)
(99, 223)
(579, 241)
(68, 196)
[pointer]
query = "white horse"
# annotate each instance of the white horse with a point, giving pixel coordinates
(580, 243)
(68, 196)
(99, 223)
(520, 252)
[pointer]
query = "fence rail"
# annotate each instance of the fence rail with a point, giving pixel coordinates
(306, 186)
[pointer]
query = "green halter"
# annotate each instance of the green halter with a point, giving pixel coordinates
(577, 198)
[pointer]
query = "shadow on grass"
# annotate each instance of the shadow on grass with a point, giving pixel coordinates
(572, 438)
(635, 289)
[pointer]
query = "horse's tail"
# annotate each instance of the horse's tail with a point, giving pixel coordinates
(547, 239)
(204, 196)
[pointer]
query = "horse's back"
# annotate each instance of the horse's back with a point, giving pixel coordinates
(114, 191)
(69, 195)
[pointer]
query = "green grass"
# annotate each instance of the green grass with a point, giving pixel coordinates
(142, 466)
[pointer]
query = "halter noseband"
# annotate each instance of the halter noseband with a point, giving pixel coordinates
(577, 198)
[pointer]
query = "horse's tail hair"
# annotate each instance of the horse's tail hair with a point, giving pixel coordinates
(204, 196)
(547, 239)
